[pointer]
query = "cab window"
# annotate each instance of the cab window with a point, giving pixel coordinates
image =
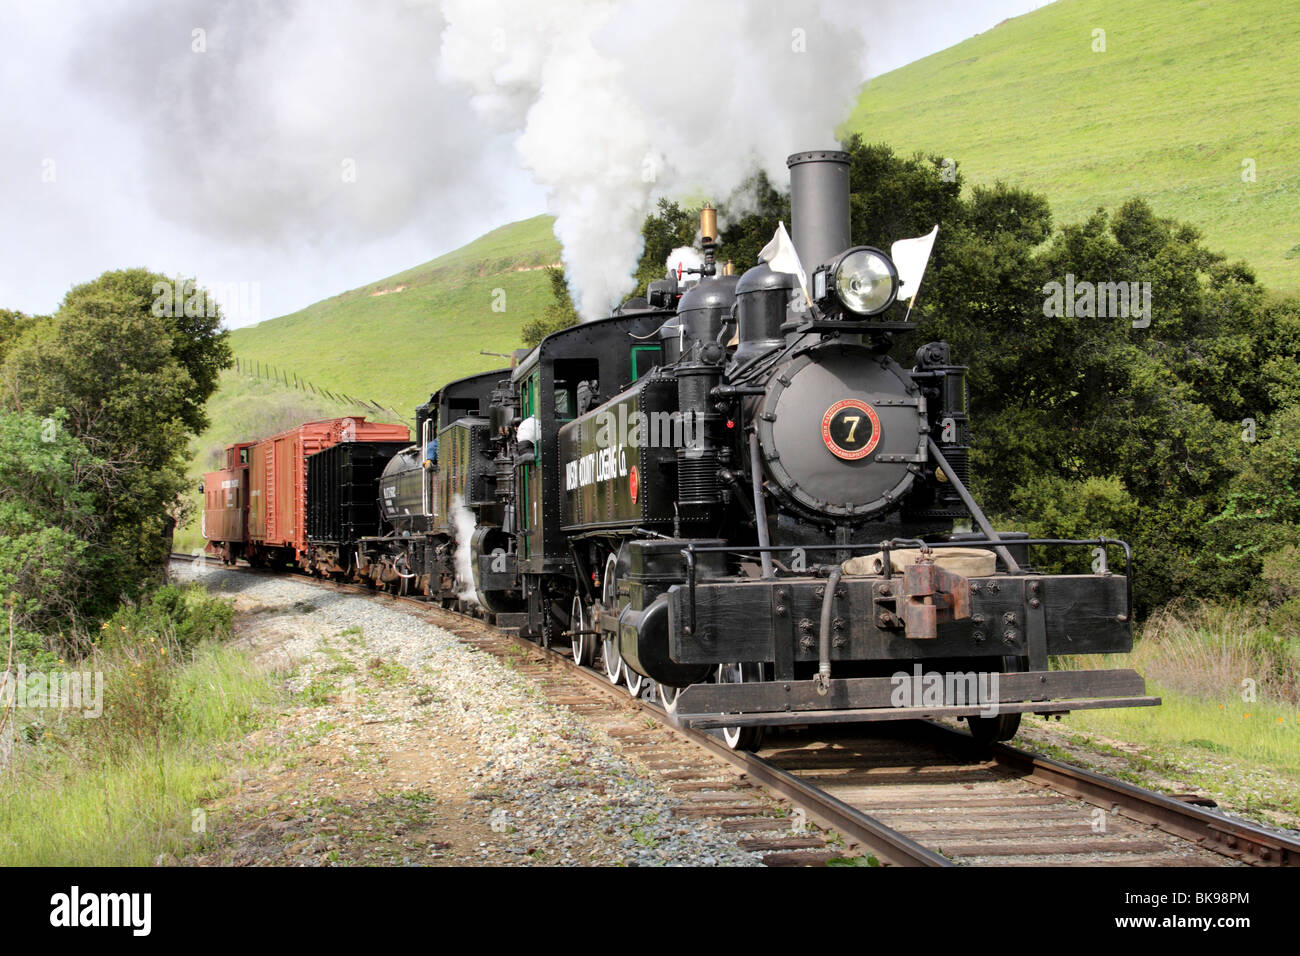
(577, 387)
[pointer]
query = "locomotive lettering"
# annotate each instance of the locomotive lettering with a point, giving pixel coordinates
(605, 464)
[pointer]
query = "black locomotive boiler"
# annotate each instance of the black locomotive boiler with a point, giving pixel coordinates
(733, 490)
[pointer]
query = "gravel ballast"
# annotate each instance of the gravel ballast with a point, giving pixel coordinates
(402, 745)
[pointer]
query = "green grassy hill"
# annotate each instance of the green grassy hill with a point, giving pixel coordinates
(395, 340)
(1185, 91)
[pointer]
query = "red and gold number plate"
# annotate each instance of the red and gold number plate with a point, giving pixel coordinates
(851, 429)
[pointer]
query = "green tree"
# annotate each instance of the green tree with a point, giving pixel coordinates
(670, 227)
(747, 220)
(132, 373)
(559, 314)
(47, 524)
(1061, 401)
(1261, 514)
(12, 326)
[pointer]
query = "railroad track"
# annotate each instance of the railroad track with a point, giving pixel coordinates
(911, 794)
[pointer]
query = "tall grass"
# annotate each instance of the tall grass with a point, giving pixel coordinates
(124, 788)
(1230, 689)
(1207, 651)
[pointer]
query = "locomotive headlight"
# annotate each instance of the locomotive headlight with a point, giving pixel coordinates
(861, 280)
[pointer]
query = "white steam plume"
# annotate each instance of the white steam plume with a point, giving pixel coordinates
(617, 103)
(340, 121)
(686, 257)
(465, 523)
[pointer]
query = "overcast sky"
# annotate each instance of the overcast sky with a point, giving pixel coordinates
(304, 147)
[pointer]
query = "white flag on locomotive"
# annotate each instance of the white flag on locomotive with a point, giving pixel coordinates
(781, 256)
(910, 259)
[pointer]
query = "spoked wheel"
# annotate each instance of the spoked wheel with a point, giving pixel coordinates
(608, 644)
(613, 663)
(584, 642)
(741, 738)
(988, 730)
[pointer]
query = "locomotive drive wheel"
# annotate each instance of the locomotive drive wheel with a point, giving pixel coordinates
(613, 663)
(584, 642)
(547, 635)
(741, 738)
(633, 680)
(608, 645)
(668, 698)
(988, 730)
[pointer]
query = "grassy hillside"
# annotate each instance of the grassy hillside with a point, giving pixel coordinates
(1185, 91)
(397, 339)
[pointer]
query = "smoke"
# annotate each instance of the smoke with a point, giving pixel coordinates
(684, 257)
(618, 103)
(465, 522)
(340, 121)
(292, 119)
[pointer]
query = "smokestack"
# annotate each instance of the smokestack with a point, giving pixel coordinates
(819, 205)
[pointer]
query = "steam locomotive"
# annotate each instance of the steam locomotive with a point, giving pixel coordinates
(731, 490)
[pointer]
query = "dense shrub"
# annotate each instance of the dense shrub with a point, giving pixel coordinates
(181, 617)
(47, 517)
(128, 376)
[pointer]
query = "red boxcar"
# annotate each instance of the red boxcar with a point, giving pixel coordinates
(256, 507)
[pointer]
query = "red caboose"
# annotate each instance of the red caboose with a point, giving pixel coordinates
(256, 507)
(225, 505)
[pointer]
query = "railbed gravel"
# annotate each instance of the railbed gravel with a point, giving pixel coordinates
(546, 778)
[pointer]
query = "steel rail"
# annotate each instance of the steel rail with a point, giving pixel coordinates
(885, 843)
(1225, 835)
(1213, 831)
